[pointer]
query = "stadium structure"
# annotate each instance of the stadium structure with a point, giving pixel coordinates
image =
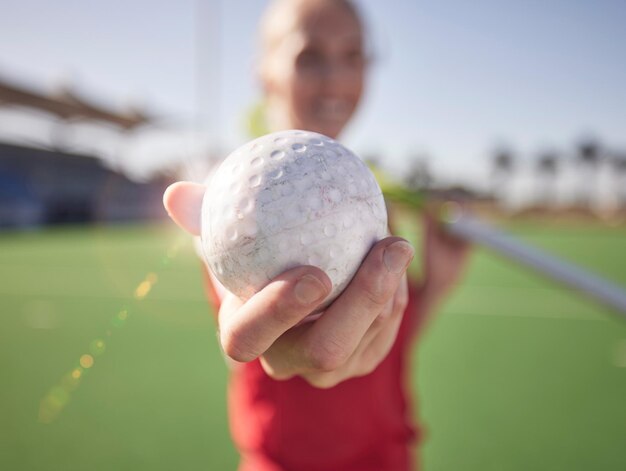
(46, 183)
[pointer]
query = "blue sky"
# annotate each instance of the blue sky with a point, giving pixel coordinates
(452, 80)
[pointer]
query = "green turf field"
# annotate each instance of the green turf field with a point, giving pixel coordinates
(513, 373)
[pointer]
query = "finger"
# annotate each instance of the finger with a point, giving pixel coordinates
(365, 359)
(376, 326)
(393, 313)
(249, 331)
(183, 203)
(380, 346)
(399, 300)
(282, 360)
(285, 359)
(334, 337)
(369, 354)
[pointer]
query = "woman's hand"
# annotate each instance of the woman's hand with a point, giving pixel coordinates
(350, 338)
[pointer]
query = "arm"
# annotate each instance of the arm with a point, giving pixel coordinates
(444, 260)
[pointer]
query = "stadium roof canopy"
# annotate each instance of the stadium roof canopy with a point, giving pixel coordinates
(68, 105)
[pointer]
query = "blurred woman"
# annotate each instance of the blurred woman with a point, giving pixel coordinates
(330, 394)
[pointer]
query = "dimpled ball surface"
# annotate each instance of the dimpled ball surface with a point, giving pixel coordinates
(287, 199)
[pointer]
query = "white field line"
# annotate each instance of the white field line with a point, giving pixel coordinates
(481, 294)
(536, 315)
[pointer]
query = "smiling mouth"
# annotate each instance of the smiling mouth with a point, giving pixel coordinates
(333, 110)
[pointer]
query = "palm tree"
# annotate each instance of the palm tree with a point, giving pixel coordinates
(619, 167)
(503, 167)
(588, 157)
(418, 176)
(547, 170)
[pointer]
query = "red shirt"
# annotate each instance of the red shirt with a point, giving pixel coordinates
(361, 424)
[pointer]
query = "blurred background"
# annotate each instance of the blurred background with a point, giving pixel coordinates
(108, 356)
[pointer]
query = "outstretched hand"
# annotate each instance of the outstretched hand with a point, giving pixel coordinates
(351, 336)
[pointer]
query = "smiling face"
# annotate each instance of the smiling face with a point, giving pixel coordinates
(313, 65)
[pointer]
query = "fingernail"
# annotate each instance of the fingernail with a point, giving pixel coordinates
(397, 256)
(309, 290)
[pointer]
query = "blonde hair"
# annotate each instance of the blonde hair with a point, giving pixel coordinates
(281, 16)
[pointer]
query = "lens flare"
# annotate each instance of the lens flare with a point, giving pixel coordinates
(120, 319)
(86, 361)
(142, 290)
(97, 347)
(52, 404)
(59, 396)
(70, 382)
(145, 286)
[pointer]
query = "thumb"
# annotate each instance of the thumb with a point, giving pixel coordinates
(183, 203)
